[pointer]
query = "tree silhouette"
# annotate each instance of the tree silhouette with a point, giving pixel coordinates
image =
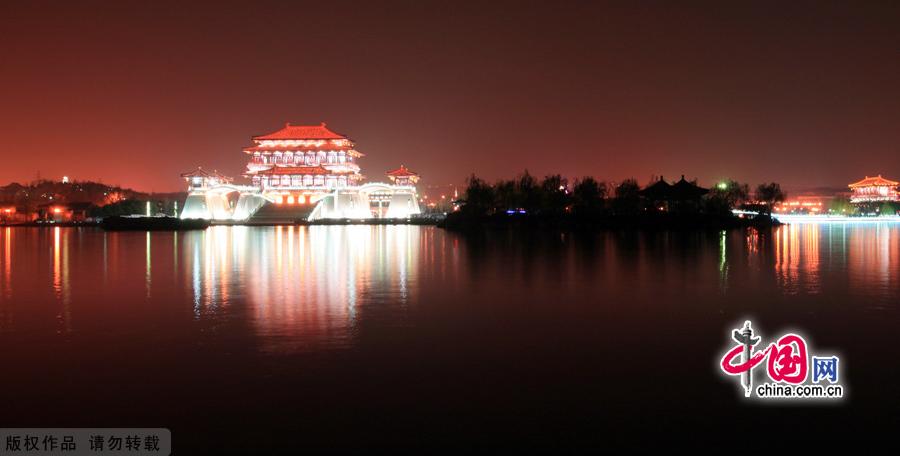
(554, 195)
(505, 195)
(588, 196)
(528, 192)
(726, 196)
(628, 199)
(769, 194)
(479, 197)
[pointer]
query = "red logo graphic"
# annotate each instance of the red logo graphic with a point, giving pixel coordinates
(787, 358)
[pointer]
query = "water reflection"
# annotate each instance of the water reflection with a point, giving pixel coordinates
(61, 286)
(873, 259)
(797, 258)
(147, 267)
(6, 316)
(296, 288)
(7, 261)
(300, 285)
(723, 260)
(807, 260)
(863, 257)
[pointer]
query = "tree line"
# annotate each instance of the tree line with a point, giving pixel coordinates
(586, 196)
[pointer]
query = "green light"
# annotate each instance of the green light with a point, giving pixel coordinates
(723, 185)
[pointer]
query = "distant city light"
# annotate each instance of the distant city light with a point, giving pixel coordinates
(65, 179)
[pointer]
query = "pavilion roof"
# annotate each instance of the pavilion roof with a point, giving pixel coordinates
(687, 190)
(658, 190)
(299, 132)
(874, 181)
(402, 171)
(200, 172)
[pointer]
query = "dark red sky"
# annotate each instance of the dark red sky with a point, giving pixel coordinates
(135, 92)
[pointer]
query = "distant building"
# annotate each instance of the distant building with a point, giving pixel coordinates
(804, 204)
(200, 179)
(874, 189)
(680, 196)
(9, 214)
(64, 212)
(403, 176)
(300, 172)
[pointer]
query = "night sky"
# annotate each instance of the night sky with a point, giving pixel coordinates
(136, 92)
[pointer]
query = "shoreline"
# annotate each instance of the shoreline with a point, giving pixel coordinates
(639, 222)
(466, 223)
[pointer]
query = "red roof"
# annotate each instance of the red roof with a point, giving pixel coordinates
(874, 181)
(401, 172)
(297, 132)
(299, 170)
(310, 148)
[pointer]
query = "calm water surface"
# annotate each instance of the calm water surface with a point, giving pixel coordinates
(342, 337)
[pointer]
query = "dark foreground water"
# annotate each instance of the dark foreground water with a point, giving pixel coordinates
(355, 337)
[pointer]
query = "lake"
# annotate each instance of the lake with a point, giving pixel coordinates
(361, 337)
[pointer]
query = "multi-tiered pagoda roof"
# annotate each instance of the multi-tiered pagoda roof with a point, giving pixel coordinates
(307, 156)
(874, 189)
(876, 181)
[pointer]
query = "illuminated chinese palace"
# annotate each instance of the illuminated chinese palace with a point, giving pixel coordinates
(301, 161)
(874, 189)
(301, 173)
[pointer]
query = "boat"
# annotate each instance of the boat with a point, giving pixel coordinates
(143, 223)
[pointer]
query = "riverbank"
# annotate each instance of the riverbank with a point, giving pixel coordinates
(376, 221)
(459, 221)
(418, 220)
(47, 224)
(171, 223)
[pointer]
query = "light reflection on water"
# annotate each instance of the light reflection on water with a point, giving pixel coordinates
(419, 329)
(301, 287)
(301, 283)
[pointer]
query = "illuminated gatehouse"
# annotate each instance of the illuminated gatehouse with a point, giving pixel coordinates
(207, 195)
(301, 173)
(874, 189)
